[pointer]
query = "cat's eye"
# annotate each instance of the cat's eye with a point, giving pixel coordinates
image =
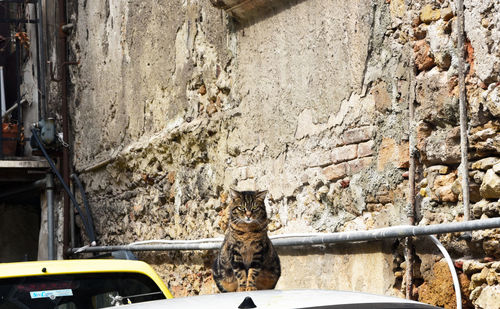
(241, 208)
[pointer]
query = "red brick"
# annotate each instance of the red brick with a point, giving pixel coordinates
(357, 135)
(365, 149)
(335, 171)
(319, 158)
(344, 153)
(357, 165)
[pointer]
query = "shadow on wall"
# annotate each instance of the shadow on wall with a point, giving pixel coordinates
(246, 13)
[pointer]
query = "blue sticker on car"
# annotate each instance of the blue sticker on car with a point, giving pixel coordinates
(52, 294)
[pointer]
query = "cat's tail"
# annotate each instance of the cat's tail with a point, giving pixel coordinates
(217, 274)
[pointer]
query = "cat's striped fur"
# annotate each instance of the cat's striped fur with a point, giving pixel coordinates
(247, 260)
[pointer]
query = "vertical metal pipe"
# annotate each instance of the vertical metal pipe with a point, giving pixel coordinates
(18, 99)
(464, 165)
(409, 252)
(2, 92)
(72, 223)
(50, 215)
(37, 10)
(6, 15)
(65, 125)
(42, 72)
(1, 118)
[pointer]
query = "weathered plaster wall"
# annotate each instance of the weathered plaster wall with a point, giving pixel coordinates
(310, 102)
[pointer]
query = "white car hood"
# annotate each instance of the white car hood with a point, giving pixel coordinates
(283, 300)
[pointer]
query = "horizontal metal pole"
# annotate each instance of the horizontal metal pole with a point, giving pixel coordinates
(12, 108)
(389, 232)
(311, 239)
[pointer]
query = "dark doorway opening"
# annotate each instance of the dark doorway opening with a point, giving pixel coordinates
(20, 229)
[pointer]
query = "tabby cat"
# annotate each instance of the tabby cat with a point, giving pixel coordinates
(247, 260)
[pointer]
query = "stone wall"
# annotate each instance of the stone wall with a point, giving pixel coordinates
(310, 101)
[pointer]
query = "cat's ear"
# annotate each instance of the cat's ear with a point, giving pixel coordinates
(261, 195)
(234, 194)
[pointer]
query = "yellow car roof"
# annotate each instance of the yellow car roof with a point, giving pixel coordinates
(63, 267)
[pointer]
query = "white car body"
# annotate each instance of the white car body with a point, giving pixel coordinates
(284, 300)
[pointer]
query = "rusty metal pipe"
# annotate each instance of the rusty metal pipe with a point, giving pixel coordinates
(411, 214)
(464, 164)
(62, 50)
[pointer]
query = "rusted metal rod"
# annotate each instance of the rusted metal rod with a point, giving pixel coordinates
(52, 73)
(409, 252)
(464, 165)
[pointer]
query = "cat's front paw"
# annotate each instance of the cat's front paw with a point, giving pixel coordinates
(251, 288)
(241, 289)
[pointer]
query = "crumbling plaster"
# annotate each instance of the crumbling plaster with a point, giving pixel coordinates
(310, 102)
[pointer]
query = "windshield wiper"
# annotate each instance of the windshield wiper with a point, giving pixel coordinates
(118, 300)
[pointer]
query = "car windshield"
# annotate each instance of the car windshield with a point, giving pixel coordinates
(75, 291)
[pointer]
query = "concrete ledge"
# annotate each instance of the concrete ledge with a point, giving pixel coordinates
(245, 10)
(28, 163)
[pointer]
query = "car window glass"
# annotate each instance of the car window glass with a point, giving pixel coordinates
(77, 291)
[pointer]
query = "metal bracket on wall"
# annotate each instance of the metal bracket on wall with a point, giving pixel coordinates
(52, 73)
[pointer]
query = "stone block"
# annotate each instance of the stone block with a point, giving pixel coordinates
(486, 63)
(444, 188)
(423, 58)
(358, 135)
(365, 149)
(443, 60)
(423, 132)
(441, 147)
(489, 297)
(492, 100)
(446, 13)
(438, 290)
(381, 97)
(486, 138)
(419, 31)
(477, 176)
(496, 168)
(440, 169)
(397, 8)
(437, 105)
(344, 153)
(490, 241)
(474, 192)
(472, 266)
(392, 153)
(444, 180)
(446, 194)
(485, 164)
(490, 188)
(479, 208)
(336, 171)
(428, 14)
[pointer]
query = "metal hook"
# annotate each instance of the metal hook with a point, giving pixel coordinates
(52, 74)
